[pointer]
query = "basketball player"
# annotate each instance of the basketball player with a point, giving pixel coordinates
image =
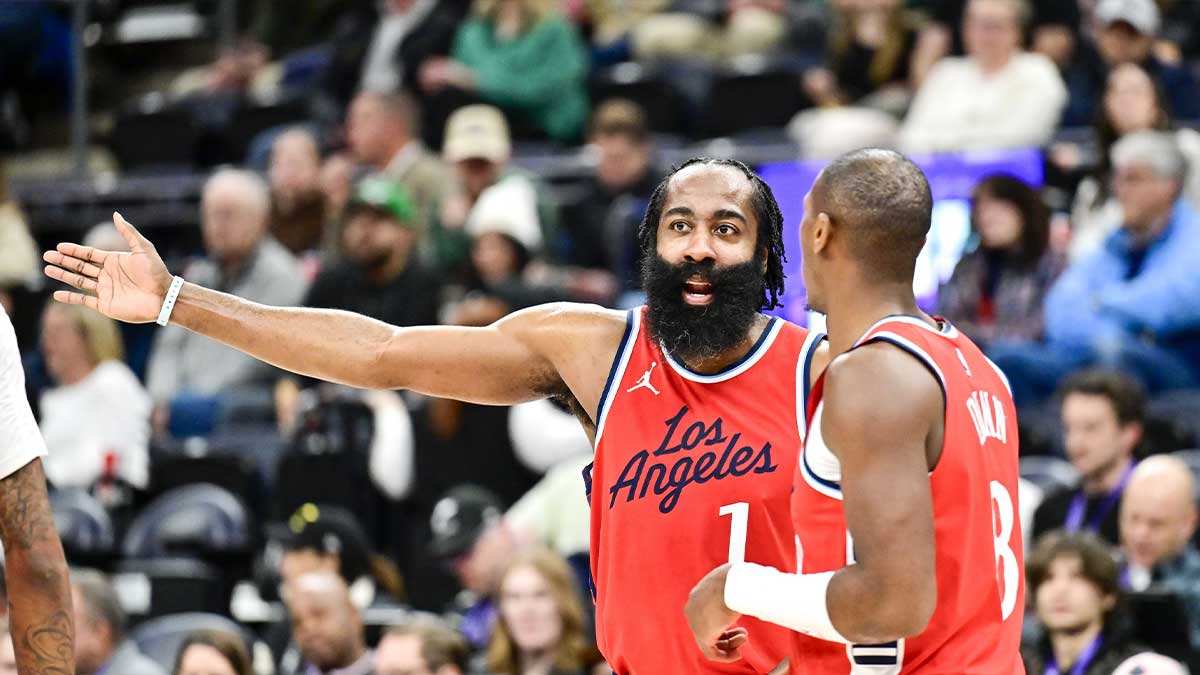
(904, 502)
(694, 402)
(39, 593)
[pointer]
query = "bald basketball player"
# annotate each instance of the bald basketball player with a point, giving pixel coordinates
(904, 498)
(694, 403)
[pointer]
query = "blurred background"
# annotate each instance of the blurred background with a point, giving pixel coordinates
(451, 161)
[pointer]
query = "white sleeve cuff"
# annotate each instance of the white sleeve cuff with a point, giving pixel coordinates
(795, 601)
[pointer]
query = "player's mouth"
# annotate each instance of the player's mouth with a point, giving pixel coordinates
(698, 293)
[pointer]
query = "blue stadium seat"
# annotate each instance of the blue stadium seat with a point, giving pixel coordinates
(160, 638)
(83, 524)
(197, 519)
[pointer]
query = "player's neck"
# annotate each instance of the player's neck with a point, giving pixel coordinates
(856, 312)
(1068, 645)
(1107, 479)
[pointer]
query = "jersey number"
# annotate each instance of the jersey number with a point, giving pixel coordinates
(1007, 570)
(740, 513)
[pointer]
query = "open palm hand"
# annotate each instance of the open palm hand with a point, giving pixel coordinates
(125, 286)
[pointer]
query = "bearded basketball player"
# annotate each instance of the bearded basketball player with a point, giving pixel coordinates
(695, 402)
(904, 502)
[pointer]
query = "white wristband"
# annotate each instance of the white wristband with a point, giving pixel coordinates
(164, 314)
(795, 601)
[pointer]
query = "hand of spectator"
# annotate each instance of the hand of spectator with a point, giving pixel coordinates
(129, 287)
(1065, 156)
(160, 420)
(1168, 52)
(438, 73)
(821, 86)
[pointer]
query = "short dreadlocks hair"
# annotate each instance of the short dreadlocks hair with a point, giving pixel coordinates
(766, 212)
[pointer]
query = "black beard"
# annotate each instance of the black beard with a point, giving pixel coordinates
(695, 333)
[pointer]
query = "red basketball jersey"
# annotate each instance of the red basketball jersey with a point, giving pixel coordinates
(690, 471)
(976, 627)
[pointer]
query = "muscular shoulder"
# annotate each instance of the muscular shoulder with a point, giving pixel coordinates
(879, 382)
(560, 327)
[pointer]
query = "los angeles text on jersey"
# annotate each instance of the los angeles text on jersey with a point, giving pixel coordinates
(987, 412)
(702, 452)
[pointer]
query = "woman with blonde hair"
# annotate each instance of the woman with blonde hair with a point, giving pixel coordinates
(539, 630)
(96, 422)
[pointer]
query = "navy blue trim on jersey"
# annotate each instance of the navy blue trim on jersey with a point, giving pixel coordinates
(807, 371)
(733, 366)
(616, 365)
(832, 485)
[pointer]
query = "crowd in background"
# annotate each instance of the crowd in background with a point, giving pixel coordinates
(389, 533)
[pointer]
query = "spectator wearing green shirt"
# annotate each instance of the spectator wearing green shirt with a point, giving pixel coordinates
(526, 60)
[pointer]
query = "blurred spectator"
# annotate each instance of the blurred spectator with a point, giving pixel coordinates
(522, 56)
(96, 422)
(479, 147)
(1073, 582)
(869, 54)
(384, 133)
(18, 252)
(212, 652)
(101, 646)
(1130, 305)
(298, 208)
(612, 23)
(383, 53)
(757, 27)
(997, 96)
(1132, 102)
(1054, 32)
(541, 620)
(277, 46)
(602, 221)
(330, 539)
(997, 290)
(8, 654)
(1102, 417)
(242, 260)
(424, 646)
(1125, 32)
(380, 275)
(469, 531)
(865, 83)
(1158, 519)
(327, 627)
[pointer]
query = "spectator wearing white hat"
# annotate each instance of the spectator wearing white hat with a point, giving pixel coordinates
(478, 146)
(1127, 31)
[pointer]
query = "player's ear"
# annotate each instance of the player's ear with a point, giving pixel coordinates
(822, 230)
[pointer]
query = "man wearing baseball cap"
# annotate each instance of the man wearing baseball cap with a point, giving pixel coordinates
(478, 146)
(380, 274)
(469, 533)
(1126, 31)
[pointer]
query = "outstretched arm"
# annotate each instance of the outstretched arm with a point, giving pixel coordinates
(39, 593)
(517, 359)
(883, 444)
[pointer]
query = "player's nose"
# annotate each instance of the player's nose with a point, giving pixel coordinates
(699, 247)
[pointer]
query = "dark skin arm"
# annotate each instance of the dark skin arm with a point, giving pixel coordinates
(550, 350)
(890, 591)
(886, 443)
(39, 592)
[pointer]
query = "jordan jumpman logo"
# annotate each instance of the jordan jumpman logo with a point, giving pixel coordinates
(644, 381)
